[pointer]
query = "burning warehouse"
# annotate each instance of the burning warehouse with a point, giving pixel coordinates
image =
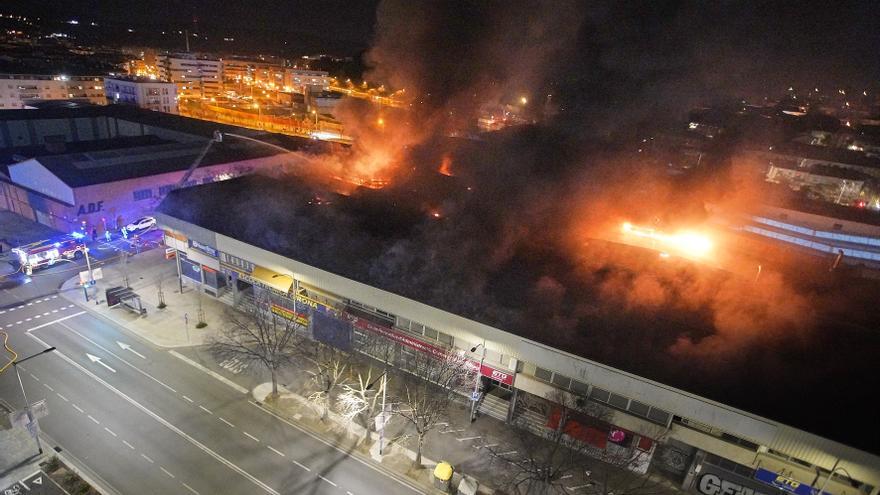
(470, 260)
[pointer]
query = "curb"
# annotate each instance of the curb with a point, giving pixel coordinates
(80, 468)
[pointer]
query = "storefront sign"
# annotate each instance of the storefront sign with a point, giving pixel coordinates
(418, 345)
(203, 248)
(784, 483)
(288, 314)
(713, 480)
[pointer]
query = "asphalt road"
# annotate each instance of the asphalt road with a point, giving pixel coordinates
(144, 421)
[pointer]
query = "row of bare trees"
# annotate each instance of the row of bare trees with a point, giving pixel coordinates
(547, 460)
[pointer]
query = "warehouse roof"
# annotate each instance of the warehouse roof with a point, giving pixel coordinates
(381, 239)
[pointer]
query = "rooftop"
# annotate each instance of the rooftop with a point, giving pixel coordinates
(460, 261)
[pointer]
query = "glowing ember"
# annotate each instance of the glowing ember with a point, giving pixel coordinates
(446, 166)
(686, 242)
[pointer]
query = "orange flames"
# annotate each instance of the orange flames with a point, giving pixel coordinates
(446, 166)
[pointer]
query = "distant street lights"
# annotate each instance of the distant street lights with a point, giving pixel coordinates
(27, 404)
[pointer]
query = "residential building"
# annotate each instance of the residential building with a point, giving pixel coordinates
(196, 76)
(17, 90)
(300, 79)
(142, 92)
(239, 74)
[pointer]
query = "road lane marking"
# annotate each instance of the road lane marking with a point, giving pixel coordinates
(96, 359)
(78, 408)
(127, 347)
(46, 313)
(93, 419)
(128, 445)
(166, 472)
(276, 451)
(207, 411)
(251, 437)
(34, 376)
(110, 432)
(108, 351)
(54, 310)
(386, 473)
(36, 316)
(213, 373)
(18, 322)
(189, 488)
(55, 296)
(50, 388)
(188, 399)
(507, 453)
(62, 397)
(29, 304)
(29, 330)
(159, 419)
(227, 422)
(8, 325)
(147, 458)
(28, 319)
(328, 481)
(465, 439)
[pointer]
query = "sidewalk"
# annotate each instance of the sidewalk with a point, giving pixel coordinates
(173, 326)
(459, 442)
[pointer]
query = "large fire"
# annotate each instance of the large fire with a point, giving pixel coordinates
(684, 242)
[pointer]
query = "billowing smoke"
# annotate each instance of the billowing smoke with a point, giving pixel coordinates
(520, 229)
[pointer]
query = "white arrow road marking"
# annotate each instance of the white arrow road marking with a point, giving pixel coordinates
(96, 359)
(127, 347)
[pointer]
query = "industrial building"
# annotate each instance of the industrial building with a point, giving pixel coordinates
(98, 168)
(313, 251)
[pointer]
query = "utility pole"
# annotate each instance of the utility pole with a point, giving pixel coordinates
(27, 404)
(474, 397)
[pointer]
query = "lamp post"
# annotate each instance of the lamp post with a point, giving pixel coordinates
(85, 250)
(315, 113)
(477, 380)
(384, 377)
(27, 404)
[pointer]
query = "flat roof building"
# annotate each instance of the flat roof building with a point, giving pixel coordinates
(19, 90)
(101, 167)
(359, 260)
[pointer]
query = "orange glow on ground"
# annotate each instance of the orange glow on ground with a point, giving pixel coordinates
(446, 165)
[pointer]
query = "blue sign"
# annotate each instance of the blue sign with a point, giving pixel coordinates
(203, 248)
(785, 483)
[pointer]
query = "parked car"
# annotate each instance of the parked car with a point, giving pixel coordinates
(143, 223)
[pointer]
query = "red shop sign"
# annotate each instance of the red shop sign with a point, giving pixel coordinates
(438, 352)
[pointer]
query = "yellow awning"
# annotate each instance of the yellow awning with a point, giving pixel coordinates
(278, 281)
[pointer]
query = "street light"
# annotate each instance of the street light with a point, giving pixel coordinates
(27, 404)
(315, 113)
(834, 469)
(477, 380)
(384, 377)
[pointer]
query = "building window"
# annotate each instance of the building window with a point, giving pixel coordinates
(561, 381)
(542, 374)
(445, 338)
(618, 401)
(599, 394)
(579, 388)
(638, 408)
(143, 194)
(658, 416)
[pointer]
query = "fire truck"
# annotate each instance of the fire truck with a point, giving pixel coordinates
(46, 253)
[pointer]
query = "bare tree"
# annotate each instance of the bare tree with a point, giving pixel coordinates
(360, 400)
(550, 459)
(428, 392)
(331, 366)
(256, 335)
